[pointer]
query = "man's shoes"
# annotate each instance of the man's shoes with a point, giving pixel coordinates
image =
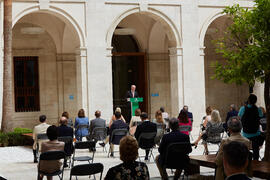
(146, 159)
(102, 144)
(111, 155)
(35, 160)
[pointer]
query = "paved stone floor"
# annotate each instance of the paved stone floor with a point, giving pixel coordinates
(16, 163)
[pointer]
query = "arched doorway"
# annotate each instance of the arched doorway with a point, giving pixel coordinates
(145, 39)
(218, 94)
(129, 68)
(45, 68)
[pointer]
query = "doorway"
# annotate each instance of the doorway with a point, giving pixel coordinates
(128, 68)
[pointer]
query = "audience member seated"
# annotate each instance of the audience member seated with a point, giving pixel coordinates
(212, 131)
(134, 121)
(129, 169)
(117, 124)
(69, 120)
(185, 124)
(165, 115)
(118, 109)
(235, 160)
(234, 127)
(65, 131)
(52, 145)
(190, 115)
(160, 126)
(81, 120)
(39, 129)
(207, 117)
(145, 127)
(173, 137)
(96, 123)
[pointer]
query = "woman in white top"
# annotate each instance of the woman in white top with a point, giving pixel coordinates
(134, 121)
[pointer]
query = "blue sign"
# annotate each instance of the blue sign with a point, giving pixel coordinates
(71, 97)
(155, 94)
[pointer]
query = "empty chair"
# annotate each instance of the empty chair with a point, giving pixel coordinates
(145, 140)
(86, 170)
(84, 145)
(51, 156)
(115, 138)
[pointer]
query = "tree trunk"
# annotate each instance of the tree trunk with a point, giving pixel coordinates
(7, 76)
(267, 105)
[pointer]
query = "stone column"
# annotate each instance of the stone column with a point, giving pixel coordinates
(82, 79)
(177, 89)
(60, 85)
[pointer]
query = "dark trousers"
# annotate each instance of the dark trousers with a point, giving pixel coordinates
(255, 147)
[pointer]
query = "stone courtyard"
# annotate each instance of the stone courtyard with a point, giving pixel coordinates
(16, 163)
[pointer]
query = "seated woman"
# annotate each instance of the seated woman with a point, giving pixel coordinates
(81, 120)
(185, 124)
(160, 126)
(129, 169)
(212, 132)
(52, 145)
(118, 109)
(134, 121)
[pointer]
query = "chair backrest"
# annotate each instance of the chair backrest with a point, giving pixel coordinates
(83, 126)
(68, 140)
(42, 136)
(147, 135)
(52, 155)
(85, 145)
(118, 132)
(184, 128)
(174, 152)
(99, 133)
(87, 169)
(65, 139)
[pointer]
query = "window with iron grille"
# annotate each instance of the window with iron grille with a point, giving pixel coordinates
(26, 83)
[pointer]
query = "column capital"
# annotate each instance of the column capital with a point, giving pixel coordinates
(109, 51)
(176, 51)
(81, 51)
(202, 51)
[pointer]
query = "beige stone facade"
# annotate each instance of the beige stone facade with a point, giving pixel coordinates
(75, 54)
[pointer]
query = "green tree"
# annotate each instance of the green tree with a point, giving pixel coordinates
(246, 49)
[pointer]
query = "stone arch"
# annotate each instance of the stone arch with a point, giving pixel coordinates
(61, 14)
(155, 14)
(206, 24)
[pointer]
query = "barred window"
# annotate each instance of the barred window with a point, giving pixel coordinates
(26, 84)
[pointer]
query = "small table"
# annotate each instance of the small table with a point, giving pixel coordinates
(261, 169)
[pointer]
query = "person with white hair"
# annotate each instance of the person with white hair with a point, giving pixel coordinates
(212, 132)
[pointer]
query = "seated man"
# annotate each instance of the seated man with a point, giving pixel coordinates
(145, 127)
(52, 145)
(234, 127)
(66, 131)
(235, 160)
(39, 129)
(173, 137)
(97, 122)
(117, 124)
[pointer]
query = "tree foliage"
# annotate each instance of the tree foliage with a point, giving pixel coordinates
(245, 47)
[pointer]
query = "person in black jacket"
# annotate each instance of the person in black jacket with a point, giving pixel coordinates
(174, 136)
(145, 127)
(64, 131)
(235, 160)
(117, 124)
